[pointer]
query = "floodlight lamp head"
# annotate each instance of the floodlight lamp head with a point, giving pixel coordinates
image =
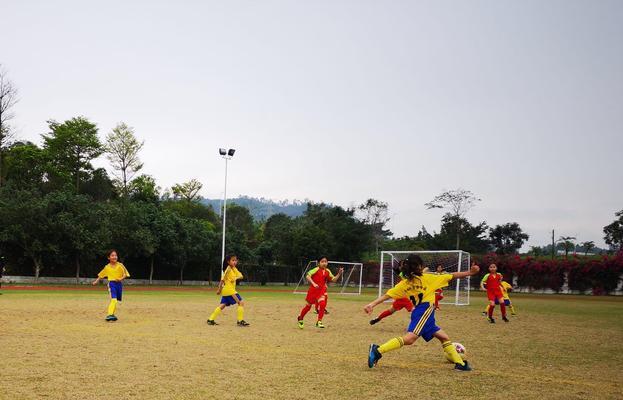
(231, 152)
(222, 152)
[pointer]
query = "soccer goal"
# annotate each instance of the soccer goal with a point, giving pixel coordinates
(349, 282)
(456, 293)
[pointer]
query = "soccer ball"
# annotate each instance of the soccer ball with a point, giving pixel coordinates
(459, 349)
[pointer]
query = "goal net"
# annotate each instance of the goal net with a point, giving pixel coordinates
(348, 283)
(457, 292)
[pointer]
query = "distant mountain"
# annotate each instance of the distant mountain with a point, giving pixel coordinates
(262, 209)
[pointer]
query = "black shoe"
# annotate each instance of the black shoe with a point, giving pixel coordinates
(212, 322)
(374, 321)
(484, 313)
(504, 319)
(460, 367)
(243, 323)
(490, 319)
(326, 311)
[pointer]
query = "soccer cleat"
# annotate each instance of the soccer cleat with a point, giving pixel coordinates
(110, 318)
(484, 313)
(301, 324)
(315, 311)
(212, 322)
(319, 324)
(374, 321)
(459, 367)
(373, 356)
(242, 322)
(504, 319)
(326, 311)
(513, 313)
(490, 319)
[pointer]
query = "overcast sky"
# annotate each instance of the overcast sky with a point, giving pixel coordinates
(339, 101)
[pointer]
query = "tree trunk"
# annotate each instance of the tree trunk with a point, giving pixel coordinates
(38, 267)
(181, 275)
(125, 183)
(151, 270)
(77, 268)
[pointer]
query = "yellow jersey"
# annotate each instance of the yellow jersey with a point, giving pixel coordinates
(230, 276)
(504, 286)
(114, 272)
(422, 288)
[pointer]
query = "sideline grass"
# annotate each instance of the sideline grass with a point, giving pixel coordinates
(55, 345)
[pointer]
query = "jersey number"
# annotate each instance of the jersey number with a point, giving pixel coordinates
(418, 301)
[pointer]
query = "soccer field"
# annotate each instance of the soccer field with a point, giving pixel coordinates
(55, 344)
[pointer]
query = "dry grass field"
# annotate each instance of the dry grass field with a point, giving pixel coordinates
(56, 345)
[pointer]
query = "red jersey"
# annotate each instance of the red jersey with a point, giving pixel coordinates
(320, 276)
(492, 282)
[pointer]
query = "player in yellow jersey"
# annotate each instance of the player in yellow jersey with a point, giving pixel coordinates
(420, 289)
(115, 272)
(227, 288)
(505, 287)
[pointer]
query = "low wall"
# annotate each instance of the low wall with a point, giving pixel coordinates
(30, 280)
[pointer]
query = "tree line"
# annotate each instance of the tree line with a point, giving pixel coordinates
(59, 214)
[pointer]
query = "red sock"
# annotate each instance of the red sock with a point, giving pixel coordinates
(321, 307)
(384, 314)
(304, 311)
(491, 310)
(503, 309)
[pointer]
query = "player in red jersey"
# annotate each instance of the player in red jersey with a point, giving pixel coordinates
(316, 294)
(492, 283)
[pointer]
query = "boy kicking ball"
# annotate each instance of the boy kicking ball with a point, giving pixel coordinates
(420, 289)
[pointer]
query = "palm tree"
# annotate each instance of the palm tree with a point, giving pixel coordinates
(566, 242)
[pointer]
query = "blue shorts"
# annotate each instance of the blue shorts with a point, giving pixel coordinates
(507, 302)
(229, 300)
(423, 321)
(116, 290)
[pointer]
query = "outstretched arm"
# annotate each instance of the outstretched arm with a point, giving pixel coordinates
(368, 309)
(472, 271)
(339, 273)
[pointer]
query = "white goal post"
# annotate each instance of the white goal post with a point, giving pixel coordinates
(456, 293)
(348, 283)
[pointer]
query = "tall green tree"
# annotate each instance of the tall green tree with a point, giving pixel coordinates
(122, 148)
(473, 237)
(507, 238)
(614, 232)
(29, 223)
(71, 147)
(566, 243)
(375, 213)
(25, 165)
(458, 202)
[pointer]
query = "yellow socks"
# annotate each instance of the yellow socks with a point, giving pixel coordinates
(112, 306)
(215, 314)
(240, 312)
(513, 310)
(392, 344)
(451, 353)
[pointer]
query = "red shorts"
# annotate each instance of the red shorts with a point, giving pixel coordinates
(314, 294)
(494, 294)
(404, 302)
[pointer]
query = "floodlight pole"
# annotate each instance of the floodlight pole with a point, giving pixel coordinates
(227, 156)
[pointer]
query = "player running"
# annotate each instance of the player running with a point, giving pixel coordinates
(316, 294)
